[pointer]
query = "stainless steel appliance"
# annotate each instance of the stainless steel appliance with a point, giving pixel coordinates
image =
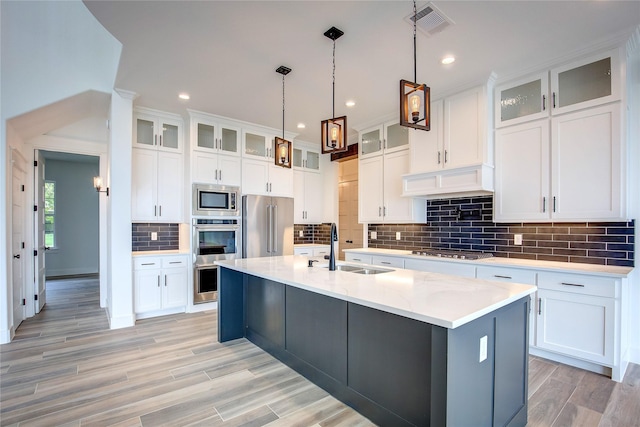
(213, 239)
(215, 200)
(448, 253)
(267, 226)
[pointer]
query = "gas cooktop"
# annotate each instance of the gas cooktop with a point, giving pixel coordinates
(444, 253)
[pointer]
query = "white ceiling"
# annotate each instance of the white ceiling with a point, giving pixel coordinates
(224, 53)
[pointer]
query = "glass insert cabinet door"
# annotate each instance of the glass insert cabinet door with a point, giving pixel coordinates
(371, 141)
(207, 138)
(170, 137)
(522, 100)
(145, 132)
(255, 145)
(306, 159)
(397, 136)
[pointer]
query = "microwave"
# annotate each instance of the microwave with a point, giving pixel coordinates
(215, 200)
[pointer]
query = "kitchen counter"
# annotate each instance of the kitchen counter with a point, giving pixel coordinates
(438, 299)
(569, 267)
(156, 253)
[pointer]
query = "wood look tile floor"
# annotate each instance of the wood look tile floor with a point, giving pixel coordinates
(66, 368)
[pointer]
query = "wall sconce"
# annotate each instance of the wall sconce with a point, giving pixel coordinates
(283, 153)
(97, 184)
(334, 130)
(282, 150)
(415, 99)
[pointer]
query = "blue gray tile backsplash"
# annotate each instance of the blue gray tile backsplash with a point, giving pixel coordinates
(467, 224)
(311, 233)
(168, 237)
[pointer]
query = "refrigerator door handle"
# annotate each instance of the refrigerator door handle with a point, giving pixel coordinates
(274, 223)
(269, 229)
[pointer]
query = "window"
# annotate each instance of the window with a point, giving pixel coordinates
(50, 214)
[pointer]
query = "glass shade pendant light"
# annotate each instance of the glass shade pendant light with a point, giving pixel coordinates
(415, 99)
(334, 130)
(283, 147)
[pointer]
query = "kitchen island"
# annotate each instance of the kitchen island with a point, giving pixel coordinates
(402, 347)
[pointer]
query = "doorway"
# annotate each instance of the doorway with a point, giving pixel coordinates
(350, 231)
(67, 221)
(18, 251)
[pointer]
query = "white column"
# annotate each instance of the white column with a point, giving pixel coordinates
(119, 268)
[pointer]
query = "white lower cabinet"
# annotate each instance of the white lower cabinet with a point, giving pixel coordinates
(356, 257)
(577, 316)
(514, 275)
(319, 250)
(387, 261)
(160, 283)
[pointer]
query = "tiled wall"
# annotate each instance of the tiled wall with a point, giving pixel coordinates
(609, 243)
(168, 237)
(315, 233)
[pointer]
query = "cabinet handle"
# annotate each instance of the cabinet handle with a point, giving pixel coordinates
(148, 263)
(379, 145)
(438, 157)
(165, 280)
(384, 211)
(175, 262)
(379, 211)
(554, 99)
(554, 203)
(544, 102)
(155, 139)
(539, 306)
(445, 156)
(220, 174)
(160, 140)
(267, 185)
(270, 187)
(160, 211)
(158, 280)
(357, 259)
(502, 277)
(577, 285)
(385, 262)
(544, 204)
(155, 210)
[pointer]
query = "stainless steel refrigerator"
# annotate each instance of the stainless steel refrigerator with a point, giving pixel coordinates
(267, 226)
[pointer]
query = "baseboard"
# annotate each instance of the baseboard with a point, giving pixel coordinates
(7, 335)
(196, 308)
(74, 276)
(571, 361)
(61, 272)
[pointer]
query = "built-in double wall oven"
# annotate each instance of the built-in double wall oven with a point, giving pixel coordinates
(213, 239)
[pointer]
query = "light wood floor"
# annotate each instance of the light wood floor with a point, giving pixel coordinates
(66, 368)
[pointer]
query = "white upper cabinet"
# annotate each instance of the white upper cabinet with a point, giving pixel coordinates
(215, 151)
(458, 135)
(257, 144)
(585, 83)
(156, 192)
(386, 138)
(523, 100)
(306, 159)
(157, 130)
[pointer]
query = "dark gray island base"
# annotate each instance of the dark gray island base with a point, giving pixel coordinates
(394, 370)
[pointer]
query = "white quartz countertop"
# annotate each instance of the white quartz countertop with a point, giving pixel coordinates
(567, 267)
(443, 300)
(163, 252)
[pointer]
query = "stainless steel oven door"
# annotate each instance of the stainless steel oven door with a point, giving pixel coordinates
(205, 283)
(215, 242)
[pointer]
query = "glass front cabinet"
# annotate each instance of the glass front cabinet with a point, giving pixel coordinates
(580, 84)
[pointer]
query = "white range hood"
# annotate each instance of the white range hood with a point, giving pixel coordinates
(474, 180)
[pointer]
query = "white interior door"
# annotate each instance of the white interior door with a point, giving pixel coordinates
(17, 238)
(39, 266)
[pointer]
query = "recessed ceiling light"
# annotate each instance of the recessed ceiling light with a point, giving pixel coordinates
(184, 96)
(301, 126)
(350, 103)
(448, 60)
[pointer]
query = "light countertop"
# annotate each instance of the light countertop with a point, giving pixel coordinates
(438, 299)
(311, 245)
(567, 267)
(156, 253)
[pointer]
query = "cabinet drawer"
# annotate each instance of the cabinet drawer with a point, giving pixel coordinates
(174, 261)
(502, 274)
(145, 263)
(303, 251)
(387, 261)
(580, 284)
(351, 257)
(321, 251)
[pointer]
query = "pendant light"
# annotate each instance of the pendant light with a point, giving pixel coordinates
(282, 150)
(334, 130)
(415, 99)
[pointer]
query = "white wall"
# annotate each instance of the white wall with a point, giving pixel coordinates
(76, 218)
(633, 135)
(49, 51)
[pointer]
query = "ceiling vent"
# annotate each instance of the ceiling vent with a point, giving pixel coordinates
(430, 20)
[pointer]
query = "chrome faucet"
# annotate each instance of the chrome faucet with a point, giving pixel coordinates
(332, 255)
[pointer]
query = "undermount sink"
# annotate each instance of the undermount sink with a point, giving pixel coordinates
(360, 269)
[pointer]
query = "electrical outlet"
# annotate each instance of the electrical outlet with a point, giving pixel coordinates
(483, 348)
(517, 239)
(374, 235)
(398, 237)
(154, 235)
(300, 233)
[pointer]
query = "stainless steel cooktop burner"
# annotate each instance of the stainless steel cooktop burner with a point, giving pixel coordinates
(444, 253)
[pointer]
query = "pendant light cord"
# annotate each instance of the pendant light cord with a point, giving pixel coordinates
(415, 16)
(283, 106)
(333, 99)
